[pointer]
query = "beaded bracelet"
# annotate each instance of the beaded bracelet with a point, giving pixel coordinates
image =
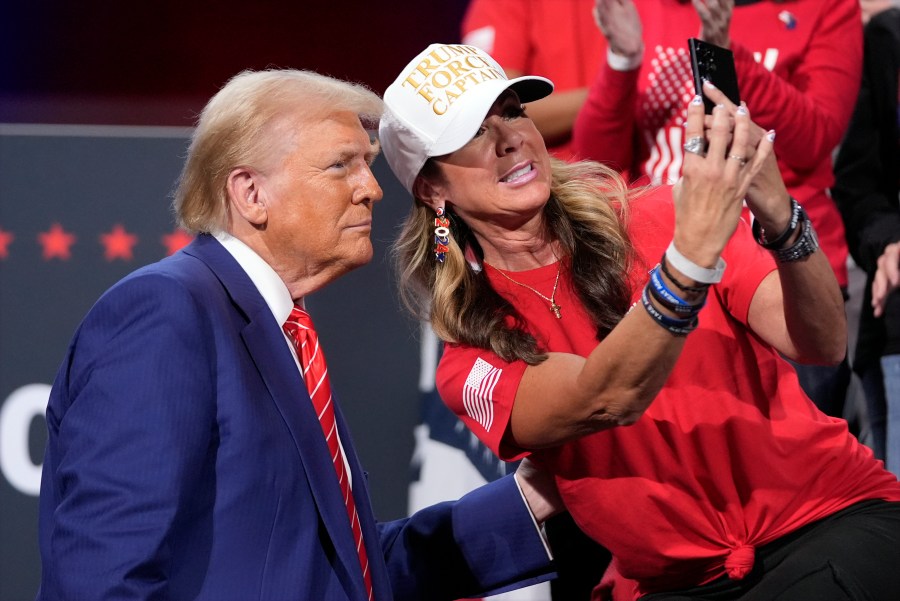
(678, 327)
(692, 270)
(668, 299)
(797, 215)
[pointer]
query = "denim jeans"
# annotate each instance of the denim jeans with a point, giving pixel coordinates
(875, 426)
(890, 367)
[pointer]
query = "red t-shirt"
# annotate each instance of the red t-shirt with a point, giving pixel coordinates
(731, 455)
(799, 65)
(556, 39)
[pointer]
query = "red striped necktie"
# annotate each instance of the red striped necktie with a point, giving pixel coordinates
(299, 329)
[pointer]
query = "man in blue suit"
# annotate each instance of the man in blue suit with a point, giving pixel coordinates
(185, 459)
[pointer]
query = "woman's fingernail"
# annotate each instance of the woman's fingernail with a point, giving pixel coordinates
(741, 110)
(707, 82)
(697, 100)
(770, 135)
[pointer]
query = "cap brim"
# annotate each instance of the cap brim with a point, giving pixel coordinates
(477, 103)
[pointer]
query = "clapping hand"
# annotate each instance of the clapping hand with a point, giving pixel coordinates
(620, 23)
(715, 21)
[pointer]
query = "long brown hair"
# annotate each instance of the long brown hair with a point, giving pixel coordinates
(586, 213)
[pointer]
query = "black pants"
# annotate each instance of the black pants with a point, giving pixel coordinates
(579, 561)
(853, 555)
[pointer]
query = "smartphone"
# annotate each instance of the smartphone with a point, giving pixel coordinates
(716, 64)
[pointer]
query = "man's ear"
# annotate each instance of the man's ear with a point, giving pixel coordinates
(246, 196)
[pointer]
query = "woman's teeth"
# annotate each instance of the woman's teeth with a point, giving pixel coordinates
(517, 173)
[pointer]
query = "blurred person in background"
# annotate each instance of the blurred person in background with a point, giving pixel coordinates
(550, 38)
(867, 183)
(798, 64)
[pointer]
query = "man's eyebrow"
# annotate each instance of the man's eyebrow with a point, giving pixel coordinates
(345, 153)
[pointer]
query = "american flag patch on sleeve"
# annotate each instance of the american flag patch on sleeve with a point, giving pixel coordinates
(478, 392)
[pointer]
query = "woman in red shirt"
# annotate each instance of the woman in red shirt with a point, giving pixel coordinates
(571, 307)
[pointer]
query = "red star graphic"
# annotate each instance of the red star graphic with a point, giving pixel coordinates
(175, 241)
(6, 239)
(118, 244)
(57, 243)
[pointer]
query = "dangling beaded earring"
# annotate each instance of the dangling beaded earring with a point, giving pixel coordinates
(441, 235)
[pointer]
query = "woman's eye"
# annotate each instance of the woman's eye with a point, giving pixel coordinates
(480, 131)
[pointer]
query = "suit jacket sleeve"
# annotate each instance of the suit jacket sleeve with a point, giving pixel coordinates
(483, 544)
(130, 432)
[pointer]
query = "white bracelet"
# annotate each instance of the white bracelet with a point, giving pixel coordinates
(617, 62)
(692, 270)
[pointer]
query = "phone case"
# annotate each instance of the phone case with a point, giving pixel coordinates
(715, 64)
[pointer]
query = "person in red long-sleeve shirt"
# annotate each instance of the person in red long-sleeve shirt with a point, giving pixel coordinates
(556, 39)
(799, 66)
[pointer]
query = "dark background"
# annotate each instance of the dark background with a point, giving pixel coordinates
(69, 70)
(156, 63)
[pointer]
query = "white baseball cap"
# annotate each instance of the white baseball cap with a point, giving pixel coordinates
(438, 102)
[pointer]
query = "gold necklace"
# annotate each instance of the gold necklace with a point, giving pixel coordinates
(551, 299)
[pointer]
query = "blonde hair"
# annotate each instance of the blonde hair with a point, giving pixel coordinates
(585, 213)
(235, 128)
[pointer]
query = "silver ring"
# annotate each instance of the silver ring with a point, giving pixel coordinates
(743, 160)
(695, 145)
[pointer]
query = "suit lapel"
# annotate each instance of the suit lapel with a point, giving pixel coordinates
(268, 349)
